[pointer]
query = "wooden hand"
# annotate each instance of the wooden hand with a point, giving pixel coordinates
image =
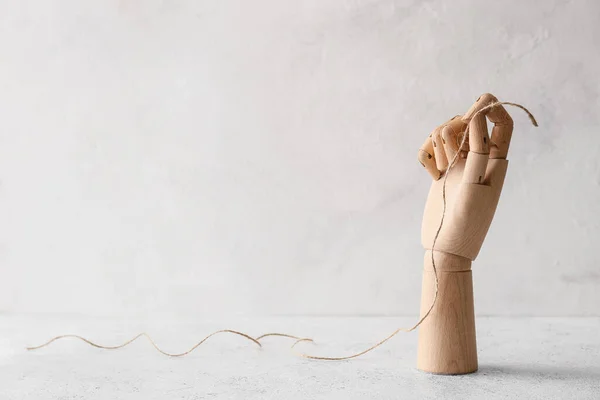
(466, 196)
(474, 183)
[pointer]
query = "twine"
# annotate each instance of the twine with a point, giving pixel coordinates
(153, 343)
(300, 339)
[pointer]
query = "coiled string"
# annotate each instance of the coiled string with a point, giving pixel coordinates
(300, 339)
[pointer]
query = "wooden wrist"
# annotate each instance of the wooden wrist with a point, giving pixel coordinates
(446, 262)
(447, 342)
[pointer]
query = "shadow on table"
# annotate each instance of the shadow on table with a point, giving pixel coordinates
(541, 372)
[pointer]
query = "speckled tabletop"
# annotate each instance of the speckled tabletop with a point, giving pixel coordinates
(533, 358)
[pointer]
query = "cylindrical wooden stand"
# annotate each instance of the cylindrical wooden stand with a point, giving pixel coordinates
(447, 342)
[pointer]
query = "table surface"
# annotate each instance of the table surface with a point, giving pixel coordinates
(533, 358)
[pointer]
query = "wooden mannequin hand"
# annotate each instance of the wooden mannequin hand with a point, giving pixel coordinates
(474, 183)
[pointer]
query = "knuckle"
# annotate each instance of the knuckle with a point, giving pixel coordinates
(487, 98)
(423, 156)
(456, 125)
(447, 133)
(435, 138)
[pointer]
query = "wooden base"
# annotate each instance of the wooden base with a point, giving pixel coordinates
(447, 340)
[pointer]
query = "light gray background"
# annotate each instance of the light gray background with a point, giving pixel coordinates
(259, 157)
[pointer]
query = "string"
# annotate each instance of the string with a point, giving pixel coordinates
(153, 343)
(299, 339)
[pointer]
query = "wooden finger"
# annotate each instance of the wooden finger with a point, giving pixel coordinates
(457, 124)
(453, 128)
(450, 141)
(464, 150)
(479, 141)
(501, 135)
(483, 101)
(427, 159)
(441, 161)
(503, 124)
(479, 144)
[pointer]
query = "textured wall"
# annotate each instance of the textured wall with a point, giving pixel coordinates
(259, 157)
